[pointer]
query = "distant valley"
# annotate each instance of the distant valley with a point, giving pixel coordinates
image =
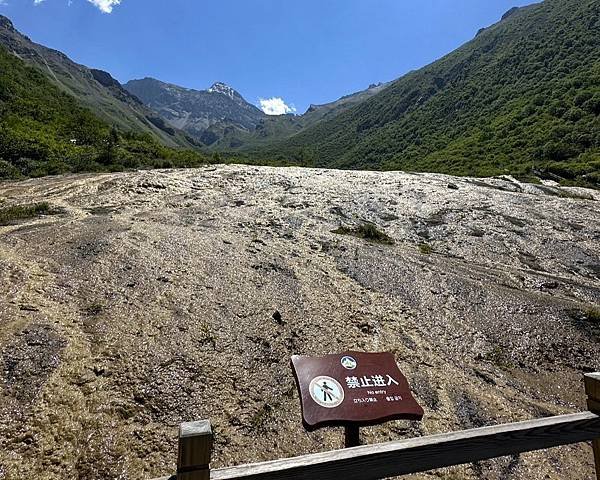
(521, 98)
(220, 117)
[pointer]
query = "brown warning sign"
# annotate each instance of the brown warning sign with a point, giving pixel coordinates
(353, 388)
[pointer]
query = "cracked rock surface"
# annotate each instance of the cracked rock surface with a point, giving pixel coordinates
(157, 297)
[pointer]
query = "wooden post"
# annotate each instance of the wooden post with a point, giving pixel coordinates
(195, 448)
(592, 390)
(352, 436)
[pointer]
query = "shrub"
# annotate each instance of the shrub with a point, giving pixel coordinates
(368, 231)
(9, 171)
(425, 249)
(12, 214)
(593, 314)
(94, 309)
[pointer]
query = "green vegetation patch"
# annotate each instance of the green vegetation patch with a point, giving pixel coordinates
(44, 131)
(522, 98)
(367, 231)
(15, 213)
(426, 249)
(500, 357)
(593, 314)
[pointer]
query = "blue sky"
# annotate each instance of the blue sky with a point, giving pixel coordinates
(300, 51)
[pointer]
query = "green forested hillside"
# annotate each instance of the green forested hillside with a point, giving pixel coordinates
(522, 97)
(45, 131)
(94, 89)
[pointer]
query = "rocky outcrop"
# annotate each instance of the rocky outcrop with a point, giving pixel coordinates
(104, 78)
(196, 111)
(6, 23)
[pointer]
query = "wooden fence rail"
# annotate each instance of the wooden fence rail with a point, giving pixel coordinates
(373, 462)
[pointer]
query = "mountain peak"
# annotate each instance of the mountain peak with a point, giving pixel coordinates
(510, 12)
(220, 87)
(104, 78)
(206, 115)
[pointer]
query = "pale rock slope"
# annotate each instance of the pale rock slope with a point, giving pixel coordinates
(148, 300)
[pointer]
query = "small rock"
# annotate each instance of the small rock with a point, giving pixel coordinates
(366, 328)
(453, 186)
(277, 318)
(87, 377)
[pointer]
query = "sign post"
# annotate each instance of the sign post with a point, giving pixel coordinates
(352, 390)
(351, 436)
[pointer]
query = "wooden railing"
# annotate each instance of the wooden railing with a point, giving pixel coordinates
(372, 462)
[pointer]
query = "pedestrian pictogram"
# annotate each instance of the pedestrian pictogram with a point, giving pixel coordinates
(326, 391)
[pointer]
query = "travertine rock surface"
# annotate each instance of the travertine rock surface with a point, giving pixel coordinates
(148, 300)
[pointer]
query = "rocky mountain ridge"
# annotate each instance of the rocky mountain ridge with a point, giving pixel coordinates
(94, 89)
(224, 89)
(196, 111)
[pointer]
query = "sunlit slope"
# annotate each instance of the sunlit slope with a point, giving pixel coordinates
(522, 96)
(95, 89)
(44, 130)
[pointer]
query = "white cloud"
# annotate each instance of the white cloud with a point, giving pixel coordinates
(275, 106)
(105, 5)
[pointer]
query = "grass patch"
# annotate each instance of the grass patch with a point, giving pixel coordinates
(593, 314)
(261, 417)
(425, 249)
(576, 195)
(9, 215)
(208, 337)
(367, 231)
(499, 357)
